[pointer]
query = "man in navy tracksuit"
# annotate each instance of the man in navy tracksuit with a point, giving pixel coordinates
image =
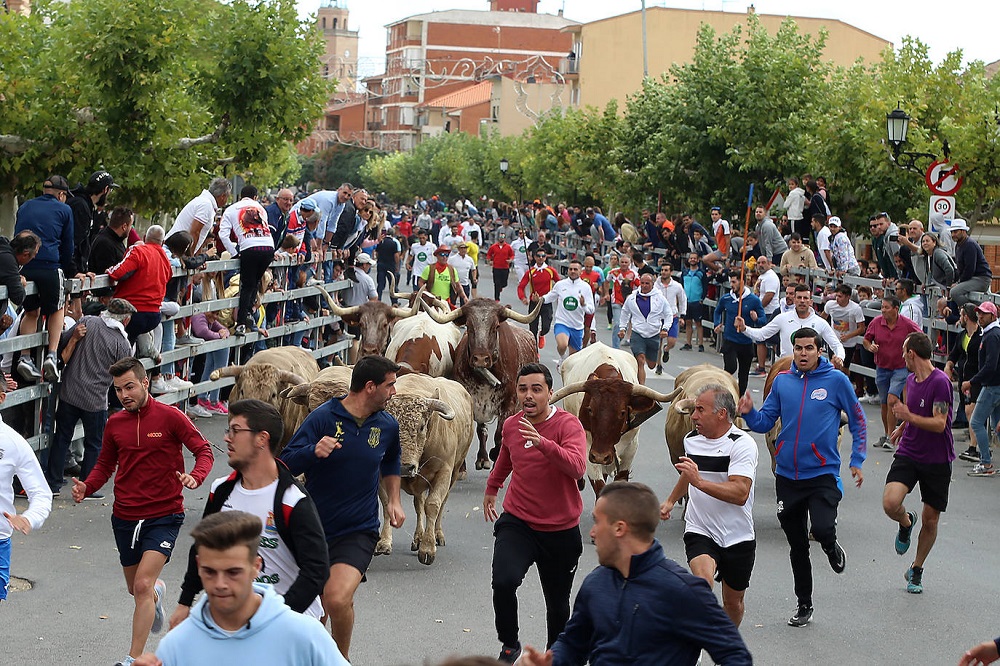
(809, 398)
(738, 349)
(638, 607)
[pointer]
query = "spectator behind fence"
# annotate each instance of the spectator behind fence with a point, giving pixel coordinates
(772, 245)
(988, 378)
(842, 249)
(51, 219)
(87, 204)
(974, 272)
(797, 255)
(14, 254)
(911, 305)
(885, 244)
(87, 350)
(963, 363)
(141, 279)
(198, 216)
(932, 264)
(109, 246)
(206, 326)
(277, 213)
(254, 246)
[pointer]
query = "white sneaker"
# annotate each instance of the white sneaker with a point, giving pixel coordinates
(160, 385)
(178, 384)
(198, 411)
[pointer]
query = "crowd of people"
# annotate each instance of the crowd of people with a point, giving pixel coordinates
(313, 542)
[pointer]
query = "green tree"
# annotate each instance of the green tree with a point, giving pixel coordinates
(164, 95)
(329, 168)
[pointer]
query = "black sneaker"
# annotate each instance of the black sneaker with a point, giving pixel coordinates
(802, 617)
(686, 348)
(27, 370)
(915, 580)
(837, 557)
(903, 536)
(701, 348)
(971, 454)
(508, 655)
(666, 355)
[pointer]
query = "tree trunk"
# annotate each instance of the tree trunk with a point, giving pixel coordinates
(8, 209)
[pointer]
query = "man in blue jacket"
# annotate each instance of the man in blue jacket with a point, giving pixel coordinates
(638, 607)
(808, 398)
(737, 349)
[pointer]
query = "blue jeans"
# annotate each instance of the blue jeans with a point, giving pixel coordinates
(168, 343)
(988, 405)
(213, 361)
(616, 315)
(67, 416)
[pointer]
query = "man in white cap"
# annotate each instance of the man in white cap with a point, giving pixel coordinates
(974, 272)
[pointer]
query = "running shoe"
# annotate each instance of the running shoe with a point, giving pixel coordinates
(127, 661)
(971, 454)
(94, 497)
(177, 384)
(217, 408)
(701, 348)
(837, 557)
(541, 342)
(159, 589)
(983, 470)
(686, 347)
(188, 339)
(914, 580)
(802, 617)
(666, 355)
(159, 385)
(198, 411)
(884, 443)
(27, 370)
(903, 535)
(50, 367)
(508, 655)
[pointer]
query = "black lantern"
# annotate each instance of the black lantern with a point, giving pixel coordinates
(897, 124)
(504, 166)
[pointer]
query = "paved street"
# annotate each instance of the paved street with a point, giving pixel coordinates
(78, 611)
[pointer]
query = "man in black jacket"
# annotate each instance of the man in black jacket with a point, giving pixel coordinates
(14, 254)
(109, 246)
(292, 543)
(86, 217)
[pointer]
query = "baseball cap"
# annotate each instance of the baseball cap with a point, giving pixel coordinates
(987, 307)
(363, 258)
(99, 180)
(308, 204)
(119, 306)
(834, 222)
(955, 225)
(56, 183)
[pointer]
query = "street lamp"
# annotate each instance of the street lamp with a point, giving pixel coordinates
(504, 166)
(897, 126)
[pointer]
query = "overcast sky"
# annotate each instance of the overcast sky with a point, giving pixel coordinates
(944, 26)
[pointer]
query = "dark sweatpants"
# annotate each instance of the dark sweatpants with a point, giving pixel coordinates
(555, 554)
(500, 278)
(545, 317)
(801, 503)
(737, 357)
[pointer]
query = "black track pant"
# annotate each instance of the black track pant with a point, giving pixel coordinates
(738, 357)
(555, 554)
(500, 278)
(253, 264)
(545, 317)
(801, 503)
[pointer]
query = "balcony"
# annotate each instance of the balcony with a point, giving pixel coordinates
(569, 68)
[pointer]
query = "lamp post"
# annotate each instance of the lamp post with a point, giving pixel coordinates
(897, 126)
(504, 168)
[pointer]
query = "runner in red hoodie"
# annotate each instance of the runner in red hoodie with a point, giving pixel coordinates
(544, 452)
(144, 443)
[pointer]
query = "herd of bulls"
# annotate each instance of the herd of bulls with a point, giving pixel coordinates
(454, 382)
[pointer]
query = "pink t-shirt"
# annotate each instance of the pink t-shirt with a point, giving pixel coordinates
(542, 490)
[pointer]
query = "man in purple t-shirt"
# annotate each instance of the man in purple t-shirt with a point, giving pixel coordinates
(924, 451)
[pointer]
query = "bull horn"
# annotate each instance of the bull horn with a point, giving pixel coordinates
(436, 302)
(569, 389)
(403, 313)
(442, 408)
(439, 317)
(297, 394)
(337, 309)
(685, 406)
(228, 371)
(392, 287)
(289, 377)
(646, 392)
(523, 318)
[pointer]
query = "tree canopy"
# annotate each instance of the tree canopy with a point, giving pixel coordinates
(750, 107)
(164, 95)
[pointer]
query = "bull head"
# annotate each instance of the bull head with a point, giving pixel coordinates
(352, 313)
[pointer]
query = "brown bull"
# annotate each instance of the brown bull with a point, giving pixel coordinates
(487, 361)
(267, 374)
(374, 319)
(600, 386)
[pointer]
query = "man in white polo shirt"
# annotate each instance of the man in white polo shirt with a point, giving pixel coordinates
(768, 288)
(718, 470)
(802, 317)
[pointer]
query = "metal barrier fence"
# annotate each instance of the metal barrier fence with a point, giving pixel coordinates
(38, 393)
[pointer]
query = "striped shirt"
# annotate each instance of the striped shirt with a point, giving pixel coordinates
(86, 379)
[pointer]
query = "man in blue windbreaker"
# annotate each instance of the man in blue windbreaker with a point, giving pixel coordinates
(808, 398)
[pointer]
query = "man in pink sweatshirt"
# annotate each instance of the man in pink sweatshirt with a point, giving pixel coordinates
(544, 453)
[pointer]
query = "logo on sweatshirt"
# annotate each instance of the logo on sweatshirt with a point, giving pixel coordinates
(570, 303)
(154, 435)
(373, 437)
(818, 394)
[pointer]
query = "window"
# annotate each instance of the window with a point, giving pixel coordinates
(334, 24)
(333, 123)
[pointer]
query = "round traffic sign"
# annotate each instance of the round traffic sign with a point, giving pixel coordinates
(942, 178)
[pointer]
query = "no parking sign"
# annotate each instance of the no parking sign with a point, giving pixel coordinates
(943, 206)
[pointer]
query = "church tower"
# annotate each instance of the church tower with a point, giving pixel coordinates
(340, 57)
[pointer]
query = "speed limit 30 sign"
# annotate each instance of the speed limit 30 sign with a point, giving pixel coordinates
(943, 206)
